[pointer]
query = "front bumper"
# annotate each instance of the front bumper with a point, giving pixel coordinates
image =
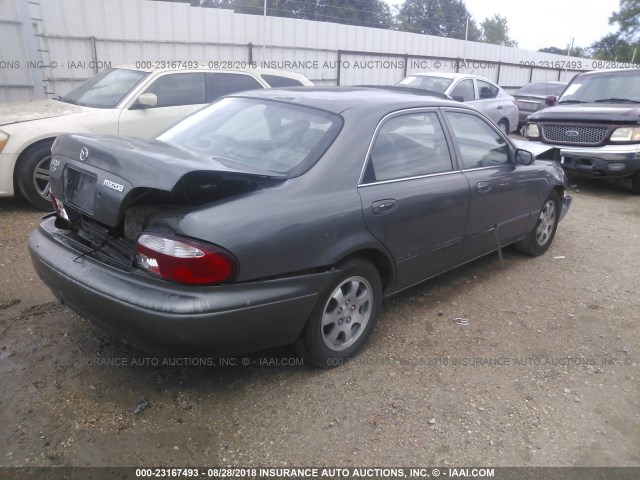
(7, 163)
(611, 161)
(154, 314)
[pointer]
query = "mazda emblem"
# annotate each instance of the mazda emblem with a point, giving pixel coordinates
(84, 153)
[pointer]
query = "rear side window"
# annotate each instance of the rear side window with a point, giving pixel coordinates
(177, 89)
(408, 146)
(277, 81)
(227, 83)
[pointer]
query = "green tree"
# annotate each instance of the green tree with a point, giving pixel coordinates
(496, 31)
(614, 47)
(554, 50)
(368, 13)
(575, 51)
(627, 19)
(443, 18)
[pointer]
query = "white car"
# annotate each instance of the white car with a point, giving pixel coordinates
(478, 91)
(119, 101)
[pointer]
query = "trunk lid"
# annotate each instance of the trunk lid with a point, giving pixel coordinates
(102, 176)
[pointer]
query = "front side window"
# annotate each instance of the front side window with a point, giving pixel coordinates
(408, 146)
(265, 136)
(463, 91)
(480, 144)
(105, 90)
(177, 89)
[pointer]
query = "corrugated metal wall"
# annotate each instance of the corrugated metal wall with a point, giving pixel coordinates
(79, 37)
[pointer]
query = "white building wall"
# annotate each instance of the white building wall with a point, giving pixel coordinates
(73, 33)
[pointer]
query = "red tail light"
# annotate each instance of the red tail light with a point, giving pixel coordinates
(183, 260)
(58, 206)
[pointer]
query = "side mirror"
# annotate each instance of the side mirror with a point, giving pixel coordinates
(147, 100)
(458, 98)
(524, 157)
(551, 100)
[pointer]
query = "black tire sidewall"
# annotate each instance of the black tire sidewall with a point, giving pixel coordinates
(635, 183)
(24, 176)
(314, 348)
(531, 245)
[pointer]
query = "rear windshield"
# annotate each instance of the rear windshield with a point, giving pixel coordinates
(434, 84)
(542, 89)
(267, 136)
(614, 86)
(277, 81)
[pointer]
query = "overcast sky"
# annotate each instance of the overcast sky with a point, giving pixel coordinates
(548, 23)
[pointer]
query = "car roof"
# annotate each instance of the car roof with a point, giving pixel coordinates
(339, 99)
(545, 82)
(447, 75)
(254, 71)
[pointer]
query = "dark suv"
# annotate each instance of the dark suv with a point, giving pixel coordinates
(595, 125)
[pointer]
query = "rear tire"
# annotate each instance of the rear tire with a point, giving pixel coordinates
(344, 317)
(539, 239)
(33, 175)
(635, 183)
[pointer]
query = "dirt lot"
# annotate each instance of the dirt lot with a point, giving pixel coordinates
(545, 374)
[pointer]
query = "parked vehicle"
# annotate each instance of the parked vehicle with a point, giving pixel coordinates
(477, 91)
(536, 95)
(117, 101)
(595, 126)
(281, 217)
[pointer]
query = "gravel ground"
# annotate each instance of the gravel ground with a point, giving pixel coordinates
(545, 373)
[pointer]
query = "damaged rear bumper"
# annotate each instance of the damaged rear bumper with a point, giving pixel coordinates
(154, 314)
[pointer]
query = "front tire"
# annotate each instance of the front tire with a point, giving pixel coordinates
(33, 175)
(503, 125)
(344, 317)
(539, 239)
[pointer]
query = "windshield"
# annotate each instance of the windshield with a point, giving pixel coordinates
(542, 89)
(608, 86)
(263, 135)
(435, 84)
(105, 90)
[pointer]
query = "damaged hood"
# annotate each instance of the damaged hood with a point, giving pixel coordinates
(101, 175)
(17, 112)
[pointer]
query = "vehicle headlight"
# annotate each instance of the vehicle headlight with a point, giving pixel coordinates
(4, 138)
(533, 131)
(626, 134)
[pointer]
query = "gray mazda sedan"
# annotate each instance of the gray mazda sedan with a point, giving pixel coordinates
(284, 217)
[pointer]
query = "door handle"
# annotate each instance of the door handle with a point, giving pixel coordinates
(484, 187)
(380, 207)
(499, 107)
